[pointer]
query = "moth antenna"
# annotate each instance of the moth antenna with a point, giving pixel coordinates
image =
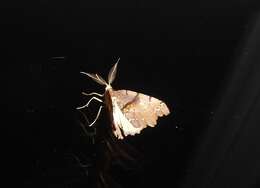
(112, 73)
(96, 78)
(101, 79)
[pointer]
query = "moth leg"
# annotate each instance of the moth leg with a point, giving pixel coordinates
(93, 93)
(86, 105)
(84, 73)
(98, 114)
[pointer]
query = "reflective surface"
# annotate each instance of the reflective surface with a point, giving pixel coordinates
(183, 52)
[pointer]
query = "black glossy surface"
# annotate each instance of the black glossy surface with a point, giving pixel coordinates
(182, 52)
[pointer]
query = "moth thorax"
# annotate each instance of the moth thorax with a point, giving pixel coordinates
(108, 86)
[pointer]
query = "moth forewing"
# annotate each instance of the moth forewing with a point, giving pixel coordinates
(139, 110)
(112, 73)
(122, 124)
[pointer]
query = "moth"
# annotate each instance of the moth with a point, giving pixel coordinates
(129, 111)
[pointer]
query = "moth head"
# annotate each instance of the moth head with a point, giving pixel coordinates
(111, 76)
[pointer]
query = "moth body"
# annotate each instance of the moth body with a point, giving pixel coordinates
(129, 112)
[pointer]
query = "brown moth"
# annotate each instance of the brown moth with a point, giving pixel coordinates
(129, 111)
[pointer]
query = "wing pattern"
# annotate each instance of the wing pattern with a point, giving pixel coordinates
(138, 109)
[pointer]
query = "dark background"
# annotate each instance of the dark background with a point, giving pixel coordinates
(182, 52)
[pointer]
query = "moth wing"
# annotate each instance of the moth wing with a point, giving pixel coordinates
(122, 124)
(140, 109)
